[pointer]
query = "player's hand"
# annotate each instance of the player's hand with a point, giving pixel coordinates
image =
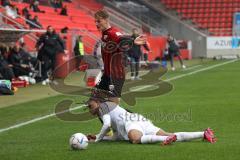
(91, 137)
(140, 40)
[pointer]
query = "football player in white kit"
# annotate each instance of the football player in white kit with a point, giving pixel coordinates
(135, 128)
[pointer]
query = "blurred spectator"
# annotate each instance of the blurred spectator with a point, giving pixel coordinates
(135, 54)
(79, 50)
(59, 3)
(19, 1)
(36, 23)
(183, 44)
(19, 68)
(165, 57)
(64, 11)
(27, 58)
(15, 8)
(5, 3)
(34, 6)
(6, 69)
(173, 51)
(29, 20)
(64, 30)
(33, 22)
(11, 11)
(25, 12)
(48, 45)
(56, 4)
(3, 48)
(67, 1)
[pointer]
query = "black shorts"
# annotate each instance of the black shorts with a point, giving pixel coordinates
(117, 85)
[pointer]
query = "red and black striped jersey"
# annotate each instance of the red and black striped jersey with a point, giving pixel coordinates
(112, 54)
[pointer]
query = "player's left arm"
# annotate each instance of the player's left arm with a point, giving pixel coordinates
(146, 46)
(141, 40)
(126, 41)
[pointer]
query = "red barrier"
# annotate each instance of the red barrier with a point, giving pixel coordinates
(157, 45)
(62, 65)
(186, 54)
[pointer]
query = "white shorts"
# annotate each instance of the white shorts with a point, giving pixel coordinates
(145, 126)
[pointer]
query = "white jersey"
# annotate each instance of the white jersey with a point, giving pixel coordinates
(123, 121)
(117, 115)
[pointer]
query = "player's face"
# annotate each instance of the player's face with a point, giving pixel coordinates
(93, 107)
(101, 23)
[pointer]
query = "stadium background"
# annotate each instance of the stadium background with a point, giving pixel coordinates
(209, 29)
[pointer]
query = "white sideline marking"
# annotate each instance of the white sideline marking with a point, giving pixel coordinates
(188, 74)
(192, 67)
(140, 88)
(38, 119)
(201, 70)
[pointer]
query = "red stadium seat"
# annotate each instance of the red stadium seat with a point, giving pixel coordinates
(77, 19)
(212, 14)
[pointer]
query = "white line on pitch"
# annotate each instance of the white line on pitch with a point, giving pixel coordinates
(188, 74)
(140, 88)
(192, 67)
(38, 119)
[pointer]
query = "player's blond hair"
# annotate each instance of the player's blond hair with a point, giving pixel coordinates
(101, 14)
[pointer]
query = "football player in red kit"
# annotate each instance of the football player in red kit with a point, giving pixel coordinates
(113, 47)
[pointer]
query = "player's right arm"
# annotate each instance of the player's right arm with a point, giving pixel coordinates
(105, 127)
(92, 138)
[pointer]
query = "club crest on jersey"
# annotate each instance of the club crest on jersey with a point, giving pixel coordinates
(105, 37)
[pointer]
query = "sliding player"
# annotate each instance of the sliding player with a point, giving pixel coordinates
(135, 128)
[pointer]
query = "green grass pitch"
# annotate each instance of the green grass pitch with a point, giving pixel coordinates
(210, 98)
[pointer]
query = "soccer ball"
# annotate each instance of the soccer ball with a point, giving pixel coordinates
(78, 141)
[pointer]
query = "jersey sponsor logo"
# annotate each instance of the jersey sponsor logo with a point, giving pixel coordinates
(110, 47)
(118, 33)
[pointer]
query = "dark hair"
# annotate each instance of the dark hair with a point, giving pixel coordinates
(54, 32)
(96, 99)
(49, 26)
(99, 95)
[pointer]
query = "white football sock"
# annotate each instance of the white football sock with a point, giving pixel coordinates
(187, 136)
(152, 138)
